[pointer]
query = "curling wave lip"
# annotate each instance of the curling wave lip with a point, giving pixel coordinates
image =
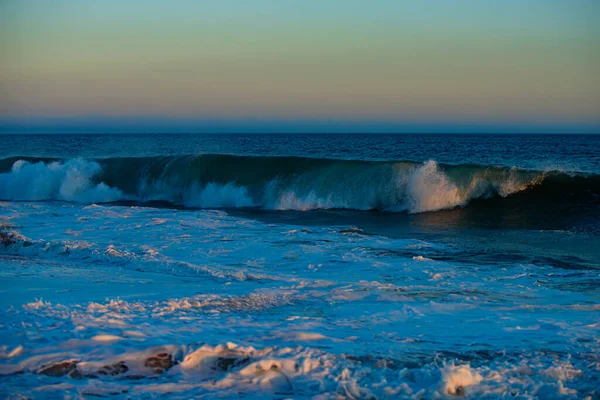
(283, 183)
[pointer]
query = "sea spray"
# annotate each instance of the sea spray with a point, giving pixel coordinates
(280, 183)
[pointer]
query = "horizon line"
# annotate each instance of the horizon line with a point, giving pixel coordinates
(171, 125)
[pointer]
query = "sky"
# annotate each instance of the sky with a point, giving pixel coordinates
(288, 65)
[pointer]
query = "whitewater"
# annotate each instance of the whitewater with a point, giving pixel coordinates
(276, 183)
(174, 269)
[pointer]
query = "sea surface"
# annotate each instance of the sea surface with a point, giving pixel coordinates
(300, 266)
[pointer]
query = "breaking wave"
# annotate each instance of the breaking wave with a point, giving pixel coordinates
(284, 183)
(236, 371)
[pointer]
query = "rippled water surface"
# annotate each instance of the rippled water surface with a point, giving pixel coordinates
(475, 278)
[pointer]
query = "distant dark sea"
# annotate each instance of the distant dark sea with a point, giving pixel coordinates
(300, 265)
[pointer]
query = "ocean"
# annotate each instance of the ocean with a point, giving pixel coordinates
(300, 266)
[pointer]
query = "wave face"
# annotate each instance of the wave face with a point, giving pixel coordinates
(284, 183)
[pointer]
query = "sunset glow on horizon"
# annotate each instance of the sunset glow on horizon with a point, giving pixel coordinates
(474, 62)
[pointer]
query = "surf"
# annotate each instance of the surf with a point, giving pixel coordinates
(287, 183)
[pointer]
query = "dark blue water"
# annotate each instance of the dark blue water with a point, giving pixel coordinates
(340, 266)
(535, 194)
(539, 152)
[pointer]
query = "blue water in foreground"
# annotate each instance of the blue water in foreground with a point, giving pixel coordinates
(300, 266)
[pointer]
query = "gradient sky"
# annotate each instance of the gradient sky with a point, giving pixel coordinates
(463, 62)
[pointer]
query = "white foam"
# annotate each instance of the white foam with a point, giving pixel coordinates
(4, 353)
(420, 188)
(428, 189)
(72, 180)
(230, 369)
(456, 378)
(215, 195)
(107, 338)
(416, 188)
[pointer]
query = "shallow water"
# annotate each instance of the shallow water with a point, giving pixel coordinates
(495, 297)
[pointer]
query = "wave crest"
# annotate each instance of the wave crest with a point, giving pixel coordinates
(277, 183)
(71, 180)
